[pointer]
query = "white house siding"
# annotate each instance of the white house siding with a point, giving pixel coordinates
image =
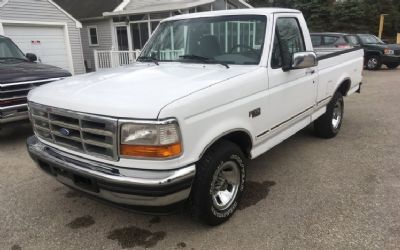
(104, 36)
(44, 11)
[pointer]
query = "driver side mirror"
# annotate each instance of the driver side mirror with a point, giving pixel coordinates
(303, 60)
(31, 57)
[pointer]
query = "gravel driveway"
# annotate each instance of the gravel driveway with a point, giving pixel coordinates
(307, 193)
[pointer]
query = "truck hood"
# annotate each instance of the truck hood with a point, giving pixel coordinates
(139, 91)
(27, 71)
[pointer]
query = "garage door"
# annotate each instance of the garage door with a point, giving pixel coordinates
(48, 43)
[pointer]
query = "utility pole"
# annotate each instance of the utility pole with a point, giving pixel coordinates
(381, 24)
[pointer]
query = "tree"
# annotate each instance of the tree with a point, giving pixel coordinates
(351, 16)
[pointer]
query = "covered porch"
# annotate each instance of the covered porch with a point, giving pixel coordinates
(132, 26)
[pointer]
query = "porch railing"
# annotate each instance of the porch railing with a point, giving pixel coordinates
(105, 59)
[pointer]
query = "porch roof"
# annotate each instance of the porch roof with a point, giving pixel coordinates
(89, 9)
(140, 6)
(84, 9)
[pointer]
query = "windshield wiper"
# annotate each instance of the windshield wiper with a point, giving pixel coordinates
(148, 59)
(204, 59)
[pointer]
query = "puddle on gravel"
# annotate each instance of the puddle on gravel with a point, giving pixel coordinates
(81, 222)
(129, 237)
(255, 192)
(16, 247)
(181, 245)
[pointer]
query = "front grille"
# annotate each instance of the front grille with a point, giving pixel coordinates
(16, 93)
(85, 133)
(397, 52)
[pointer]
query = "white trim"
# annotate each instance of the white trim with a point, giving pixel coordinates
(69, 49)
(3, 3)
(159, 8)
(90, 37)
(1, 29)
(77, 23)
(54, 24)
(122, 6)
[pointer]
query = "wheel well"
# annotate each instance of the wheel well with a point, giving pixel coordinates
(344, 87)
(372, 53)
(240, 138)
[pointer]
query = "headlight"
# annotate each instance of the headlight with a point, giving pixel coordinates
(389, 52)
(151, 140)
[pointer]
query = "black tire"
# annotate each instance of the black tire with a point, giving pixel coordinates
(203, 206)
(326, 126)
(373, 62)
(392, 65)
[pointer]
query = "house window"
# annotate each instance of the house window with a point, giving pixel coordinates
(202, 8)
(140, 34)
(159, 15)
(154, 25)
(93, 39)
(122, 38)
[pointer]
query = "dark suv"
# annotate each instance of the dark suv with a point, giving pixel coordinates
(18, 75)
(377, 53)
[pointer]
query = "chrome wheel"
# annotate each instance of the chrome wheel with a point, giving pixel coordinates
(372, 63)
(225, 185)
(337, 114)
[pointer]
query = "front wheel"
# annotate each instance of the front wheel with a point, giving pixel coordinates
(219, 183)
(392, 65)
(373, 62)
(328, 125)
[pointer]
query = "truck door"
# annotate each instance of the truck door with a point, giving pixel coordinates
(292, 93)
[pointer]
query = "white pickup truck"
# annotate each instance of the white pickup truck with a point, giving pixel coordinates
(209, 91)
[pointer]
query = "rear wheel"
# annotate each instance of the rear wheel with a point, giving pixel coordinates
(328, 125)
(373, 62)
(219, 183)
(392, 65)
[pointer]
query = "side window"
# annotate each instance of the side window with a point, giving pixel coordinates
(290, 38)
(330, 40)
(316, 40)
(353, 40)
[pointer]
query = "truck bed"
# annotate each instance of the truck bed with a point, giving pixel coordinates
(348, 63)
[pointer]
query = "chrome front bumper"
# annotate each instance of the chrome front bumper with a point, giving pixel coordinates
(118, 185)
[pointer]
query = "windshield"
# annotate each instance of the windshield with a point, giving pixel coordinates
(223, 39)
(8, 50)
(370, 39)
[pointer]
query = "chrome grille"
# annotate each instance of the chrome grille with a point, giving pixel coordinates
(90, 134)
(16, 93)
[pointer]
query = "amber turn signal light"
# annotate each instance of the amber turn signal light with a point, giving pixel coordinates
(164, 151)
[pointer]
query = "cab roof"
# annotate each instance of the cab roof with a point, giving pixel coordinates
(255, 11)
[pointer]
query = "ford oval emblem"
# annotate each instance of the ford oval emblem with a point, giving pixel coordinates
(65, 132)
